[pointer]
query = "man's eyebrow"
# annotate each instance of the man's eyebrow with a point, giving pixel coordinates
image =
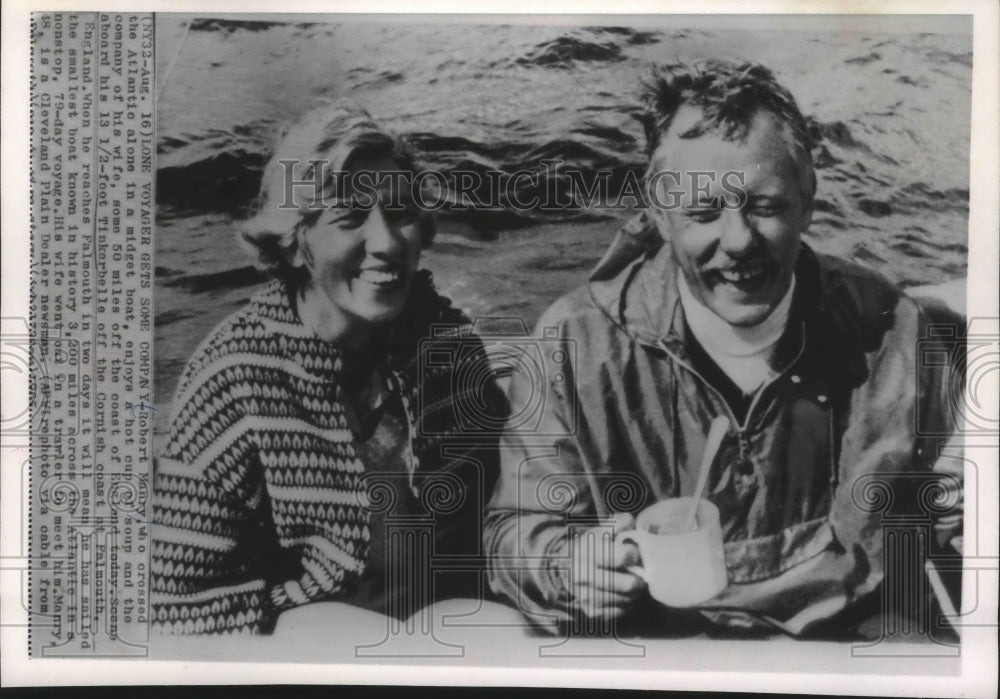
(768, 196)
(713, 201)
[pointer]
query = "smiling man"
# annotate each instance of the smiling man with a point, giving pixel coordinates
(709, 304)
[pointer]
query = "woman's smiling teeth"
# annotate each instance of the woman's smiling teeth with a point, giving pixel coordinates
(381, 276)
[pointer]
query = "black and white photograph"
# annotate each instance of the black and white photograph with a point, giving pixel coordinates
(729, 256)
(636, 343)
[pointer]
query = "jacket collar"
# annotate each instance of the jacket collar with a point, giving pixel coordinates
(634, 284)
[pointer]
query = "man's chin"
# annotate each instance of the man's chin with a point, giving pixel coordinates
(744, 308)
(744, 314)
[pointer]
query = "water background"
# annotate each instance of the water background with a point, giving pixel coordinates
(893, 110)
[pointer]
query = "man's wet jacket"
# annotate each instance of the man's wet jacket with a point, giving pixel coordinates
(841, 451)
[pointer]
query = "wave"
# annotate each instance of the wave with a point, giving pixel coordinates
(864, 60)
(445, 148)
(235, 278)
(918, 196)
(220, 171)
(531, 112)
(608, 134)
(835, 133)
(634, 37)
(358, 78)
(231, 25)
(224, 182)
(563, 51)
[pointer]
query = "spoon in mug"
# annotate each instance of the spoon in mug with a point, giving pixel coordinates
(715, 434)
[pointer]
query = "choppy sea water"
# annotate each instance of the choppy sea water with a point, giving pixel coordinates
(893, 112)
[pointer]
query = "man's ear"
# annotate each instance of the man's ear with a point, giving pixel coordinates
(807, 216)
(659, 221)
(807, 209)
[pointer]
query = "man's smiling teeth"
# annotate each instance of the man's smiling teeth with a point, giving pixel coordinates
(742, 276)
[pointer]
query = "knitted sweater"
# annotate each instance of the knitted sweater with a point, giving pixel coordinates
(260, 500)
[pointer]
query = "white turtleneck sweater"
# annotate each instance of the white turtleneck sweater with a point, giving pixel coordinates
(744, 353)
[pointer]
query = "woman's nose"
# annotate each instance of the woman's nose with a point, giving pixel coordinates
(738, 236)
(379, 234)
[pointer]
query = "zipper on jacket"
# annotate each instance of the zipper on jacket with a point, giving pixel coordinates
(741, 428)
(744, 465)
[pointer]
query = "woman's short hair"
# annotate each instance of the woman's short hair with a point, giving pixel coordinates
(300, 180)
(730, 95)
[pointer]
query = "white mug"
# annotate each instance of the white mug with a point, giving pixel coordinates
(681, 568)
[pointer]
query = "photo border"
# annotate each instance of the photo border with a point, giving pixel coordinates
(979, 651)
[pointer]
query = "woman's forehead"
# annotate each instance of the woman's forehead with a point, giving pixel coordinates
(362, 160)
(368, 175)
(353, 154)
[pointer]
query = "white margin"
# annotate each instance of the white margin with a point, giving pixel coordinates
(979, 658)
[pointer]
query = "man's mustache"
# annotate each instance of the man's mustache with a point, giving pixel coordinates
(741, 266)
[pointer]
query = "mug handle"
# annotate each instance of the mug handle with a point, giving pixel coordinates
(635, 538)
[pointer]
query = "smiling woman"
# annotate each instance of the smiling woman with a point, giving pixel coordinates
(361, 260)
(314, 453)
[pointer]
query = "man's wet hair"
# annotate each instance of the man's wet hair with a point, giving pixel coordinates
(730, 96)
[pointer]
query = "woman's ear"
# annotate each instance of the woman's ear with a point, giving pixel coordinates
(298, 255)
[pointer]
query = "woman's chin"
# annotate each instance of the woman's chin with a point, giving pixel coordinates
(381, 311)
(376, 304)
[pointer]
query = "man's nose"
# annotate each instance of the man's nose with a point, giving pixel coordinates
(379, 233)
(738, 235)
